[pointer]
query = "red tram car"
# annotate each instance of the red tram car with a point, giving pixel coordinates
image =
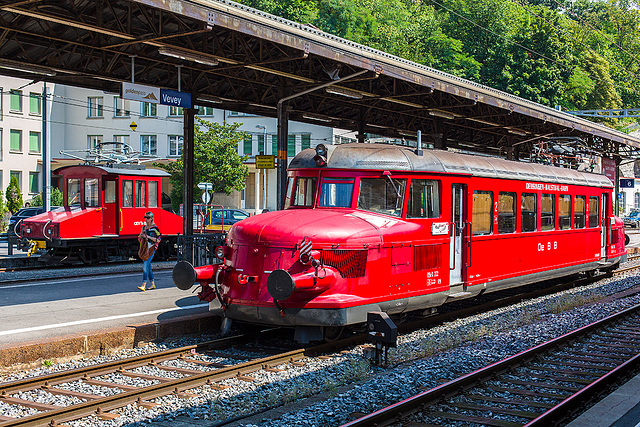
(370, 227)
(103, 213)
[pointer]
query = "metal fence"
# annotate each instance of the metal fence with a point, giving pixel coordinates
(199, 249)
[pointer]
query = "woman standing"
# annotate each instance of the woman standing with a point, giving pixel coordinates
(151, 234)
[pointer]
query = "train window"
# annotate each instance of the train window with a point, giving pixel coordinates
(305, 189)
(73, 192)
(528, 212)
(506, 212)
(382, 195)
(579, 210)
(110, 192)
(153, 194)
(141, 194)
(287, 197)
(482, 212)
(91, 192)
(547, 212)
(424, 199)
(336, 193)
(593, 211)
(564, 212)
(127, 194)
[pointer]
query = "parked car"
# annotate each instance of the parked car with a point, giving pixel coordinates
(632, 220)
(223, 219)
(22, 214)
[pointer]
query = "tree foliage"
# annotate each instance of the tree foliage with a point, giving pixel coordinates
(216, 161)
(56, 198)
(13, 196)
(579, 55)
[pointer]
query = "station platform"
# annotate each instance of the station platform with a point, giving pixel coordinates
(619, 409)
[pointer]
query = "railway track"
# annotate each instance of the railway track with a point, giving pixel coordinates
(176, 371)
(542, 386)
(203, 364)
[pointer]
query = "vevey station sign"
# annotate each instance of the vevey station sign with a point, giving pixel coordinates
(155, 95)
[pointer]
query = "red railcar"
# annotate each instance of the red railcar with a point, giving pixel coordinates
(371, 227)
(103, 212)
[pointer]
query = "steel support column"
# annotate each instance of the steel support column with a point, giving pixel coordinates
(283, 135)
(187, 170)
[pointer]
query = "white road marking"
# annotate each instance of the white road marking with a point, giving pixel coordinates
(99, 319)
(56, 282)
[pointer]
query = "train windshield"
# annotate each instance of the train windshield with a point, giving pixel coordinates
(303, 193)
(382, 195)
(336, 193)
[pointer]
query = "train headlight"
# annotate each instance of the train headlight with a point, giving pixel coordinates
(321, 155)
(220, 252)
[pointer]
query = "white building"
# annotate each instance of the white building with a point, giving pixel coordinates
(21, 135)
(79, 118)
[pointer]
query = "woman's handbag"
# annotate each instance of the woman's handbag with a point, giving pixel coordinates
(146, 249)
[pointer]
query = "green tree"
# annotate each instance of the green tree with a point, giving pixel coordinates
(13, 196)
(56, 198)
(216, 160)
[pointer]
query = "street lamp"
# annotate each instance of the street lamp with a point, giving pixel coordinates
(264, 172)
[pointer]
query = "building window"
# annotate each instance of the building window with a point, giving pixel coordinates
(34, 104)
(15, 143)
(34, 178)
(176, 142)
(246, 149)
(149, 109)
(205, 111)
(121, 142)
(95, 104)
(482, 212)
(149, 145)
(15, 100)
(506, 212)
(239, 114)
(305, 141)
(636, 196)
(0, 151)
(175, 111)
(291, 146)
(93, 141)
(18, 176)
(34, 142)
(261, 147)
(274, 145)
(122, 107)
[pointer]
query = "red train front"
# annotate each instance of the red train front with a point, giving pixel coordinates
(371, 227)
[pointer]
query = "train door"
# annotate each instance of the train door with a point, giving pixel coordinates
(603, 225)
(456, 232)
(109, 206)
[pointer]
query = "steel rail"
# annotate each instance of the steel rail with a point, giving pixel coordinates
(109, 403)
(413, 404)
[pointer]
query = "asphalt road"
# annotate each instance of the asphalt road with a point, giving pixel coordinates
(49, 308)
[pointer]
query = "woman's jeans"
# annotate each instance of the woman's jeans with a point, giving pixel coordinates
(147, 273)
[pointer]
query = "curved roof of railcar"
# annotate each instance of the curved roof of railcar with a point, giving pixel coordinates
(138, 171)
(401, 158)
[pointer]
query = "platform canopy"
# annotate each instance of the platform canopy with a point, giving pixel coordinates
(233, 57)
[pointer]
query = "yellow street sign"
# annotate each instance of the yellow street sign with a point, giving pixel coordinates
(265, 162)
(133, 126)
